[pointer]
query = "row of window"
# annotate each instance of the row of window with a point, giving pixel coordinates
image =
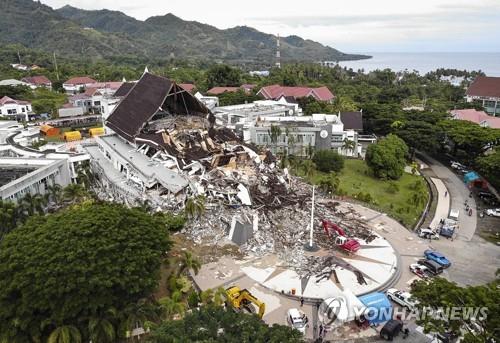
(13, 111)
(307, 138)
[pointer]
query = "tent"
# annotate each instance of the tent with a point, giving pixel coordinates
(379, 308)
(49, 131)
(70, 136)
(96, 131)
(472, 179)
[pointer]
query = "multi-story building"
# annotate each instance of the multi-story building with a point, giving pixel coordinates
(14, 109)
(299, 135)
(486, 91)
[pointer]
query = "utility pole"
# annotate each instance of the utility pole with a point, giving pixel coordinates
(55, 66)
(19, 57)
(311, 246)
(278, 52)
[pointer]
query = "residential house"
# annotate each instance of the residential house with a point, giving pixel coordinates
(15, 109)
(188, 87)
(479, 117)
(485, 90)
(247, 88)
(13, 83)
(210, 101)
(77, 84)
(91, 101)
(275, 92)
(37, 81)
(108, 88)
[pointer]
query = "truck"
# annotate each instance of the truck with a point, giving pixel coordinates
(241, 300)
(347, 244)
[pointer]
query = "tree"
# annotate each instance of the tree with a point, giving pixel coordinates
(387, 158)
(33, 204)
(10, 217)
(328, 161)
(488, 165)
(73, 193)
(223, 75)
(54, 194)
(173, 305)
(348, 145)
(195, 207)
(330, 183)
(65, 334)
(442, 296)
(215, 324)
(75, 264)
(189, 262)
(274, 133)
(308, 168)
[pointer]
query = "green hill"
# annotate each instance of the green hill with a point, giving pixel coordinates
(103, 33)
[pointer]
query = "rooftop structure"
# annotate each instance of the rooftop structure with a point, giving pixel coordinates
(13, 83)
(275, 92)
(188, 86)
(479, 117)
(486, 90)
(352, 120)
(37, 81)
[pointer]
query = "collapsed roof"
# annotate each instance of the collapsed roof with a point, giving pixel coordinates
(150, 96)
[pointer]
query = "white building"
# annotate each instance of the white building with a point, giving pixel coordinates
(22, 175)
(14, 109)
(297, 134)
(77, 84)
(210, 101)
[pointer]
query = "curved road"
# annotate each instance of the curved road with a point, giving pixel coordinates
(474, 260)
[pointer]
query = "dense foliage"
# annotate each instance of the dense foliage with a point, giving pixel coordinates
(105, 33)
(214, 324)
(439, 293)
(328, 161)
(85, 263)
(387, 158)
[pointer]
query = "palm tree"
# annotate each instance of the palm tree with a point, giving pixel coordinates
(65, 334)
(348, 145)
(189, 262)
(137, 314)
(211, 296)
(101, 329)
(73, 193)
(195, 207)
(172, 305)
(330, 183)
(54, 194)
(33, 203)
(308, 168)
(9, 216)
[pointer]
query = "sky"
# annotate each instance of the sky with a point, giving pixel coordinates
(350, 26)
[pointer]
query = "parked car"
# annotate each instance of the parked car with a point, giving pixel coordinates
(437, 257)
(420, 270)
(297, 320)
(433, 268)
(495, 212)
(391, 329)
(428, 234)
(447, 231)
(456, 165)
(454, 213)
(401, 298)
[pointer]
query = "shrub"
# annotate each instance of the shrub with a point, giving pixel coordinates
(328, 161)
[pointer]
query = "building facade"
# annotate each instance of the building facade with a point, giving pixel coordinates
(15, 109)
(486, 91)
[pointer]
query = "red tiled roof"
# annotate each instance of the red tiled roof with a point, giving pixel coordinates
(109, 84)
(248, 86)
(277, 91)
(187, 86)
(478, 117)
(485, 86)
(82, 80)
(91, 91)
(6, 100)
(220, 90)
(36, 80)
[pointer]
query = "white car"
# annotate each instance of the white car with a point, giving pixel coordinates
(495, 212)
(419, 270)
(401, 298)
(428, 233)
(297, 320)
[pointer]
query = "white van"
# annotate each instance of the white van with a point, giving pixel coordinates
(454, 214)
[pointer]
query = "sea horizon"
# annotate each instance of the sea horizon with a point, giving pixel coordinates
(424, 62)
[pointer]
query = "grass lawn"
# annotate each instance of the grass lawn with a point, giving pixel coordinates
(356, 177)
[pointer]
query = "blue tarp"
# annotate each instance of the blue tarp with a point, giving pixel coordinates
(379, 306)
(470, 177)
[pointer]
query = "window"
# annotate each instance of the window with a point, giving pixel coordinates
(0, 111)
(97, 103)
(23, 109)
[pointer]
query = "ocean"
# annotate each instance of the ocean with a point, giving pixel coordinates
(488, 62)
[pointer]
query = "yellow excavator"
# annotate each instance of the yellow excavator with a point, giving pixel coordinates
(241, 300)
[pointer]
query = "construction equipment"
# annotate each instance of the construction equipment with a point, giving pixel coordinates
(241, 300)
(347, 244)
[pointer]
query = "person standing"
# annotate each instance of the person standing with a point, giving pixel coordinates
(320, 330)
(301, 301)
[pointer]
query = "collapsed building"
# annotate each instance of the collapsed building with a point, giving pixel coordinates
(165, 147)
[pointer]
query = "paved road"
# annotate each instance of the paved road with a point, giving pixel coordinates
(474, 260)
(458, 193)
